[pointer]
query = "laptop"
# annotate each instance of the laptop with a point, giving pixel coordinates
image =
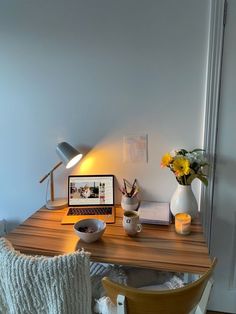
(90, 196)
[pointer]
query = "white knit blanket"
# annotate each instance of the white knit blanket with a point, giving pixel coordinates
(44, 285)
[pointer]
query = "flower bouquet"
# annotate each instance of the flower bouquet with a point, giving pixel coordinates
(186, 165)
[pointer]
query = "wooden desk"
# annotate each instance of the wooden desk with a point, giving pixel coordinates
(157, 247)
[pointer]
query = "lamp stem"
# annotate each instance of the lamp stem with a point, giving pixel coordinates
(49, 173)
(51, 186)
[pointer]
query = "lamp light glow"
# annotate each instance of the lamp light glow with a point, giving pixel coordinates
(74, 161)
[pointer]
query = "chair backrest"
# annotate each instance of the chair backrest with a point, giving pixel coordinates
(45, 285)
(176, 301)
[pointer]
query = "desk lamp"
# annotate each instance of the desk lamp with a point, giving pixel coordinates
(69, 156)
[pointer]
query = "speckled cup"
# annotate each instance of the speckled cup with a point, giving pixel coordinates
(129, 203)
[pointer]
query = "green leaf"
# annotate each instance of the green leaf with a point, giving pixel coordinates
(198, 150)
(197, 176)
(182, 152)
(203, 179)
(191, 178)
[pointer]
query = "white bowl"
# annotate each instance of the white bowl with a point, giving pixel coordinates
(90, 230)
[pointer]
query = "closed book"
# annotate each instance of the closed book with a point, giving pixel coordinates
(154, 213)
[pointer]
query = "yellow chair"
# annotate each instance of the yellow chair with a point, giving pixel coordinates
(191, 298)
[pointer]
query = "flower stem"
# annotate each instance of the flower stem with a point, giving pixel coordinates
(185, 181)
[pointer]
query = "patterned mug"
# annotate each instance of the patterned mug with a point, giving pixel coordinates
(131, 223)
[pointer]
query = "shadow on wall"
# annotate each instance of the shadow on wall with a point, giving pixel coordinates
(228, 166)
(224, 279)
(9, 226)
(2, 228)
(84, 149)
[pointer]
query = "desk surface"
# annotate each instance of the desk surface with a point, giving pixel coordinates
(157, 247)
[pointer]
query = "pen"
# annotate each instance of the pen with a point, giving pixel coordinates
(133, 188)
(125, 186)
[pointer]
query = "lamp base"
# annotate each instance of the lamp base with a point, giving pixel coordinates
(58, 203)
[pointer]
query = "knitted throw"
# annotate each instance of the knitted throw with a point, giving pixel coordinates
(44, 285)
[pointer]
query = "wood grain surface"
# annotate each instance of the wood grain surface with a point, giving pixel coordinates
(157, 247)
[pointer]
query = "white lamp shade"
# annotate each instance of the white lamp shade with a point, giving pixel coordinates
(68, 154)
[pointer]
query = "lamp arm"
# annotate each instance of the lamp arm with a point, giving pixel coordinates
(50, 172)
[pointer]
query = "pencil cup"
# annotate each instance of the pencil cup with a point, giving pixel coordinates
(129, 203)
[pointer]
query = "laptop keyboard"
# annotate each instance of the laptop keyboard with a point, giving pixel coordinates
(89, 211)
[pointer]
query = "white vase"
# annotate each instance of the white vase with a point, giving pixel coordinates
(184, 201)
(129, 203)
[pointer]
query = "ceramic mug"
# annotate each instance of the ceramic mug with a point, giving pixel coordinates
(131, 223)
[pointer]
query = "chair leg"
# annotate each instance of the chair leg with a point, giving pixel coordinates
(202, 305)
(121, 308)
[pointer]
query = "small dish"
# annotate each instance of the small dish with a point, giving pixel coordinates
(90, 230)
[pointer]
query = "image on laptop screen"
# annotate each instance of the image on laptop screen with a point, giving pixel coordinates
(91, 190)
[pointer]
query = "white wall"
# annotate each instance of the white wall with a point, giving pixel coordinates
(90, 72)
(223, 226)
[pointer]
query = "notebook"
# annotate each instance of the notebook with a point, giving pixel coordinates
(90, 196)
(154, 213)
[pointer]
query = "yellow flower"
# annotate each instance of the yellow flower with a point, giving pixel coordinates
(166, 160)
(181, 166)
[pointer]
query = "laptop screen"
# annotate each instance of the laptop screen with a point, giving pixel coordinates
(91, 190)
